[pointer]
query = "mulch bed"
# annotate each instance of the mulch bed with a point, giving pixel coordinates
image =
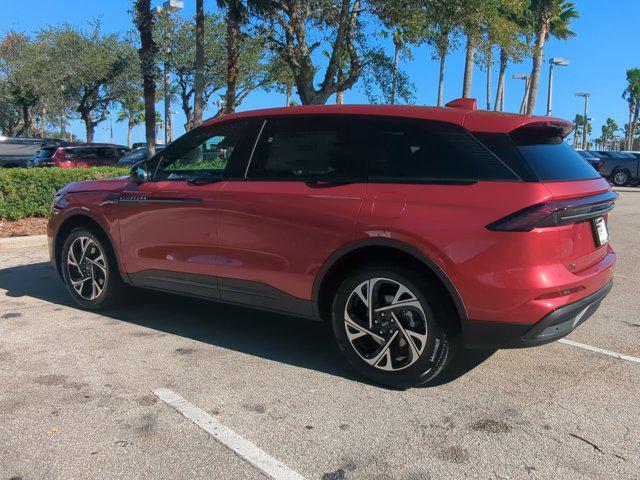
(23, 227)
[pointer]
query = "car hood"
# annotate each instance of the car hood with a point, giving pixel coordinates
(106, 185)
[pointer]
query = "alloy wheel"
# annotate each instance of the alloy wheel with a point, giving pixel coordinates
(87, 268)
(620, 178)
(385, 324)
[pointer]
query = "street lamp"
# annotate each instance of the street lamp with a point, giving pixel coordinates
(561, 62)
(586, 96)
(520, 76)
(170, 6)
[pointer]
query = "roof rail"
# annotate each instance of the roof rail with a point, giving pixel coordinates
(463, 103)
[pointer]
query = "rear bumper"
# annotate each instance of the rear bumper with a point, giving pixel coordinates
(555, 325)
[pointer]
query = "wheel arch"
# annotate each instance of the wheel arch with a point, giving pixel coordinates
(78, 220)
(344, 259)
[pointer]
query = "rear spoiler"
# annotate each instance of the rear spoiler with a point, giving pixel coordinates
(542, 132)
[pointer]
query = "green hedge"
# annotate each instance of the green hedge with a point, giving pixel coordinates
(28, 192)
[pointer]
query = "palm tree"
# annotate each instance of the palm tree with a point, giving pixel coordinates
(549, 17)
(609, 130)
(632, 95)
(148, 51)
(442, 27)
(238, 12)
(132, 112)
(509, 29)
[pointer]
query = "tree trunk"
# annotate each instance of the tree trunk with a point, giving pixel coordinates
(538, 51)
(198, 84)
(289, 91)
(396, 55)
(634, 123)
(147, 53)
(468, 67)
(629, 142)
(129, 134)
(489, 64)
(90, 128)
(340, 93)
(501, 74)
(443, 49)
(233, 54)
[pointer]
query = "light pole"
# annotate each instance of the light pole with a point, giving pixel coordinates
(561, 62)
(171, 6)
(520, 76)
(586, 117)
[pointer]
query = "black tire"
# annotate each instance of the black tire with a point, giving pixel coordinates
(441, 338)
(620, 178)
(111, 283)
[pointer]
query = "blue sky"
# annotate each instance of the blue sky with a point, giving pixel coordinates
(605, 47)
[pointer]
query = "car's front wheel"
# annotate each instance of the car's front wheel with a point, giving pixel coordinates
(89, 269)
(620, 178)
(392, 326)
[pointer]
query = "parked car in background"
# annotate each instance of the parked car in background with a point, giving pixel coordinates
(16, 152)
(620, 168)
(134, 156)
(78, 156)
(593, 159)
(414, 231)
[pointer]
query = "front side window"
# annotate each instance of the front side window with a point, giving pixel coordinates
(305, 149)
(203, 153)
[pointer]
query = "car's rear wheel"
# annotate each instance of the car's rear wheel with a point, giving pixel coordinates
(392, 326)
(89, 269)
(620, 178)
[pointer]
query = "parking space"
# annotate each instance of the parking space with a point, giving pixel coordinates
(77, 398)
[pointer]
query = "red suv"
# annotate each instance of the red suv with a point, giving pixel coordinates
(78, 156)
(413, 231)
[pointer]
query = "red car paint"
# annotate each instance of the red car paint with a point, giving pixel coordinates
(284, 234)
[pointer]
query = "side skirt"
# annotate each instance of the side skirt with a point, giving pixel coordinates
(226, 290)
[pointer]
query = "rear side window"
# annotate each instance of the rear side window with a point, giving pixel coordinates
(303, 149)
(539, 154)
(406, 151)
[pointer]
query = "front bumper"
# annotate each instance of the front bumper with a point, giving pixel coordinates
(555, 325)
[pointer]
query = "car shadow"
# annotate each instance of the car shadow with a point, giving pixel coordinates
(294, 341)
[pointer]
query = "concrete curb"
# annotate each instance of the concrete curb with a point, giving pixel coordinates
(11, 243)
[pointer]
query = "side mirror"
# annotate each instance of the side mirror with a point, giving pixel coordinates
(139, 173)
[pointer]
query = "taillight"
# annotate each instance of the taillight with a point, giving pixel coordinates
(601, 163)
(556, 213)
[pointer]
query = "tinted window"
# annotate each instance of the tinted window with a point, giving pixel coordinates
(105, 152)
(539, 154)
(552, 162)
(46, 152)
(428, 150)
(308, 148)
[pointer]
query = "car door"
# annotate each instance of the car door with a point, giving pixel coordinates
(168, 224)
(294, 204)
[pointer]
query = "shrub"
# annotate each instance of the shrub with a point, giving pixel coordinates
(29, 192)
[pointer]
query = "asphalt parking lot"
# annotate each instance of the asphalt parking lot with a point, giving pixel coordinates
(77, 401)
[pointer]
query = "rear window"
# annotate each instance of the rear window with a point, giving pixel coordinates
(47, 152)
(539, 154)
(557, 162)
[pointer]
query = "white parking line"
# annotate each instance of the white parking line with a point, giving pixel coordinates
(249, 452)
(600, 350)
